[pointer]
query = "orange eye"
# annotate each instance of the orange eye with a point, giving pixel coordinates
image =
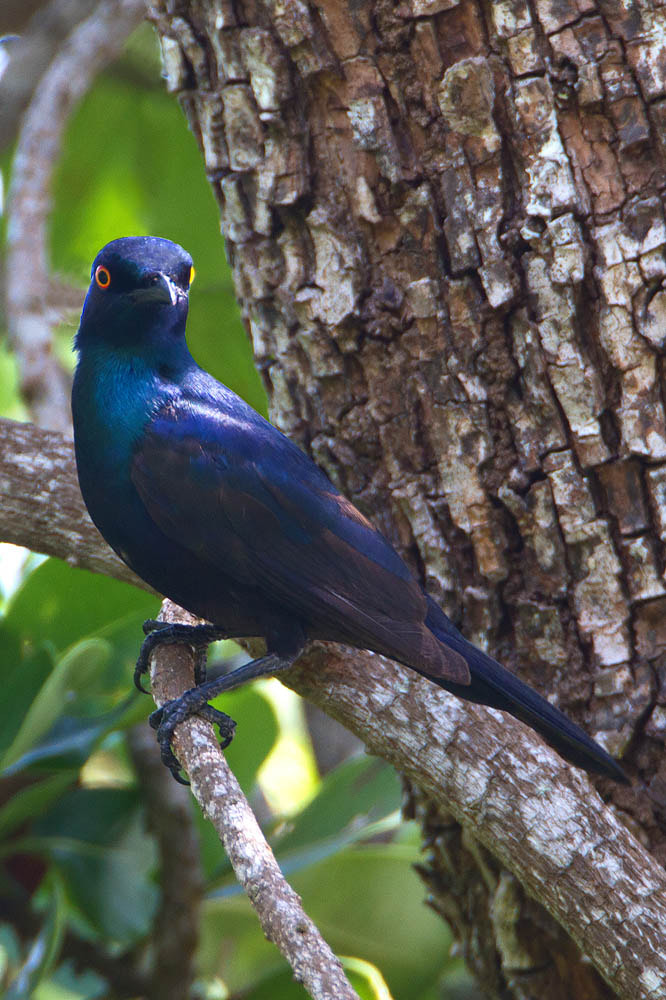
(102, 277)
(193, 274)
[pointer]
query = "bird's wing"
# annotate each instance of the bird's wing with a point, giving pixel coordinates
(236, 492)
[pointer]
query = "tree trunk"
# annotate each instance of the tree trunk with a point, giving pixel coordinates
(445, 227)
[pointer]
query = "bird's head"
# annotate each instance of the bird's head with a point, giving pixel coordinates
(138, 294)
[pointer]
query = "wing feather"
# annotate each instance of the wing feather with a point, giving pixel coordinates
(246, 499)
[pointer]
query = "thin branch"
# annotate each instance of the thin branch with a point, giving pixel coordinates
(91, 45)
(543, 820)
(175, 933)
(279, 909)
(37, 29)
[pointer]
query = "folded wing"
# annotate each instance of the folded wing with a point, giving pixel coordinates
(241, 496)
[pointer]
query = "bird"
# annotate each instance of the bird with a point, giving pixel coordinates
(215, 508)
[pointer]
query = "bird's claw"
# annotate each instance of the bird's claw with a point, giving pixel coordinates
(152, 625)
(165, 719)
(199, 637)
(138, 677)
(151, 630)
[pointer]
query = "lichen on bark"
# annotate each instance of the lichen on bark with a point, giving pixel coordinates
(446, 231)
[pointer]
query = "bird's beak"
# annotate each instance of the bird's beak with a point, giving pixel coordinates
(163, 290)
(166, 290)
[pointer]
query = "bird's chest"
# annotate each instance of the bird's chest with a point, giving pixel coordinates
(114, 504)
(111, 407)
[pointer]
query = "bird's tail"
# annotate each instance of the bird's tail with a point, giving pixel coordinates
(493, 685)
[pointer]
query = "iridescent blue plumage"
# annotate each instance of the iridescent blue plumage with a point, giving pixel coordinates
(215, 508)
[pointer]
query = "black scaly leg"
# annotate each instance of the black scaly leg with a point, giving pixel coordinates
(198, 637)
(195, 702)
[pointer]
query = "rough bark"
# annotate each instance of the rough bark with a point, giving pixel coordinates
(446, 230)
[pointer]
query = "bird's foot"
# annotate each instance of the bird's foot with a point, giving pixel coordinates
(164, 633)
(195, 702)
(165, 719)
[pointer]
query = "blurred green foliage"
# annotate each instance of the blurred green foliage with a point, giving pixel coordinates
(130, 168)
(74, 845)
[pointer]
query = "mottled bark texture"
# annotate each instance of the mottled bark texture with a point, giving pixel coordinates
(446, 230)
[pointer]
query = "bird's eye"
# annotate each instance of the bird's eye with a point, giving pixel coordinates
(102, 277)
(193, 274)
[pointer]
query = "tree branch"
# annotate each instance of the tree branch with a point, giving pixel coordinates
(278, 907)
(37, 29)
(91, 45)
(544, 821)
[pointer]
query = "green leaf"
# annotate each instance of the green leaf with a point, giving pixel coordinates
(96, 839)
(71, 672)
(96, 624)
(22, 683)
(360, 799)
(45, 948)
(67, 983)
(71, 741)
(366, 901)
(62, 605)
(33, 800)
(366, 979)
(232, 944)
(359, 792)
(363, 976)
(256, 732)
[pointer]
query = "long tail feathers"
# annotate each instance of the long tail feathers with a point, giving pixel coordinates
(494, 686)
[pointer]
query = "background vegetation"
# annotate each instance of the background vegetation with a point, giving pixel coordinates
(80, 878)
